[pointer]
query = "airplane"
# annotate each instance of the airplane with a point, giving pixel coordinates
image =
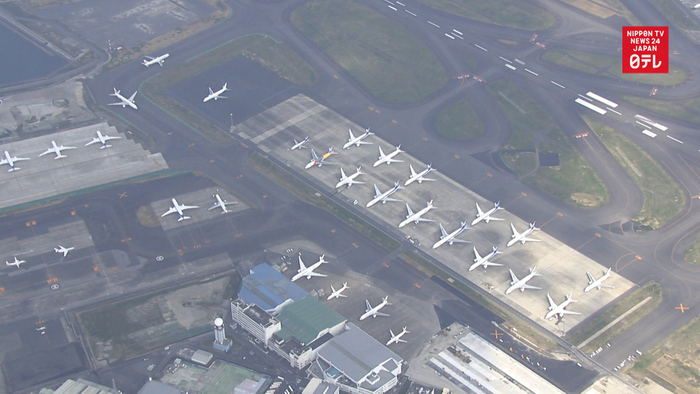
(216, 95)
(597, 283)
(349, 180)
(451, 237)
(57, 150)
(559, 310)
(338, 293)
(300, 144)
(123, 100)
(149, 61)
(418, 176)
(383, 197)
(486, 216)
(179, 209)
(417, 217)
(521, 284)
(522, 237)
(11, 161)
(102, 139)
(320, 161)
(357, 141)
(484, 261)
(61, 249)
(396, 338)
(388, 159)
(308, 272)
(374, 311)
(221, 203)
(16, 263)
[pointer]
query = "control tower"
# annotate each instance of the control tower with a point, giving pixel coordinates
(220, 341)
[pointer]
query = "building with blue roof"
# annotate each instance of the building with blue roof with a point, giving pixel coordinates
(269, 289)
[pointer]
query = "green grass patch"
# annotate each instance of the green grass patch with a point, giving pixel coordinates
(387, 59)
(459, 122)
(674, 14)
(651, 289)
(522, 163)
(521, 15)
(686, 110)
(605, 9)
(663, 197)
(692, 254)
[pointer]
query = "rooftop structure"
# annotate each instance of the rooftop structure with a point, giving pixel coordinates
(81, 386)
(307, 320)
(269, 289)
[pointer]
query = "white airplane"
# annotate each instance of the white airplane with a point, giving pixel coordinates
(522, 237)
(16, 263)
(61, 249)
(123, 100)
(179, 208)
(486, 216)
(417, 217)
(320, 161)
(216, 95)
(451, 237)
(337, 293)
(11, 161)
(57, 150)
(396, 338)
(418, 176)
(383, 197)
(221, 203)
(308, 272)
(521, 284)
(484, 261)
(374, 311)
(149, 61)
(349, 180)
(102, 139)
(598, 283)
(357, 141)
(388, 159)
(559, 310)
(300, 144)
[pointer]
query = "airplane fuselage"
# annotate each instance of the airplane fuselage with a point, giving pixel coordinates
(520, 284)
(483, 260)
(160, 60)
(374, 312)
(418, 176)
(348, 180)
(597, 283)
(387, 158)
(382, 197)
(416, 216)
(486, 215)
(216, 95)
(522, 237)
(449, 238)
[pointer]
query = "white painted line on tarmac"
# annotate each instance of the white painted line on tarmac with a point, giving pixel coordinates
(434, 24)
(612, 110)
(642, 124)
(392, 8)
(532, 72)
(410, 12)
(449, 36)
(504, 59)
(674, 139)
(510, 66)
(480, 47)
(457, 31)
(585, 98)
(520, 62)
(558, 84)
(401, 4)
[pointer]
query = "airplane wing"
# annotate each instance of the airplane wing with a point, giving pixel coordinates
(488, 264)
(515, 232)
(523, 240)
(479, 212)
(590, 278)
(606, 286)
(171, 210)
(455, 240)
(94, 141)
(302, 266)
(211, 92)
(442, 232)
(120, 103)
(312, 273)
(552, 304)
(107, 138)
(410, 212)
(380, 314)
(376, 191)
(400, 340)
(20, 158)
(529, 287)
(425, 220)
(565, 312)
(3, 161)
(513, 278)
(385, 199)
(393, 161)
(131, 98)
(50, 150)
(369, 307)
(183, 207)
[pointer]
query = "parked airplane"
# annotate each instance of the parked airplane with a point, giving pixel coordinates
(486, 216)
(451, 237)
(300, 144)
(16, 263)
(149, 61)
(388, 159)
(522, 237)
(349, 180)
(597, 283)
(216, 95)
(396, 338)
(179, 208)
(57, 150)
(123, 101)
(374, 311)
(221, 203)
(559, 310)
(383, 197)
(61, 249)
(9, 160)
(417, 217)
(484, 261)
(418, 176)
(308, 272)
(337, 293)
(357, 141)
(102, 139)
(320, 161)
(521, 284)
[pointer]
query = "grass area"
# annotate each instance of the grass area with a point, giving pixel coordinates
(518, 14)
(610, 66)
(522, 163)
(663, 197)
(605, 9)
(274, 56)
(307, 194)
(692, 254)
(686, 110)
(459, 122)
(651, 289)
(387, 59)
(671, 10)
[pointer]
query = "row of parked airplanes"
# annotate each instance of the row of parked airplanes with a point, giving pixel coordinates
(59, 249)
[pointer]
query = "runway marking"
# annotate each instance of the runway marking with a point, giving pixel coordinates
(558, 84)
(520, 62)
(532, 72)
(510, 67)
(457, 31)
(480, 47)
(612, 110)
(392, 8)
(497, 334)
(449, 36)
(434, 24)
(401, 4)
(410, 12)
(682, 308)
(123, 195)
(674, 139)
